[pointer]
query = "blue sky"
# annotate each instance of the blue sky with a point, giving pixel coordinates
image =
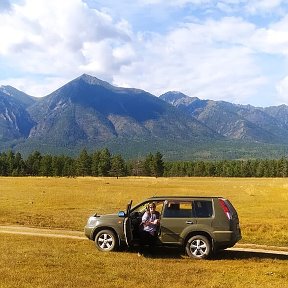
(230, 50)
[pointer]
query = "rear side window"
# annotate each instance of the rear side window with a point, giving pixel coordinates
(203, 208)
(178, 210)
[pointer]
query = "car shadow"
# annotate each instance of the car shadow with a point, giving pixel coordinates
(242, 255)
(177, 253)
(158, 252)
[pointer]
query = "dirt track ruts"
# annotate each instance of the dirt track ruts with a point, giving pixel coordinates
(78, 235)
(22, 230)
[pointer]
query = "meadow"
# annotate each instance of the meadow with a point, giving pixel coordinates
(66, 203)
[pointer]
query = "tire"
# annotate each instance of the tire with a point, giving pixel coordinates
(198, 247)
(106, 241)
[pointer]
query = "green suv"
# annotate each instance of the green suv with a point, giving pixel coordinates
(201, 225)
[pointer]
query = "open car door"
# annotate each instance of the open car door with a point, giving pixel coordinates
(128, 227)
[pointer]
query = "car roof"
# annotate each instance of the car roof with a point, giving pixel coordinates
(153, 198)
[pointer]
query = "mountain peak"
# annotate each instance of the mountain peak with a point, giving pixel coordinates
(91, 80)
(173, 95)
(176, 98)
(8, 90)
(23, 98)
(94, 81)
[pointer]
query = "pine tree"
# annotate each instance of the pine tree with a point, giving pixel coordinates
(117, 166)
(158, 165)
(148, 165)
(95, 158)
(19, 169)
(68, 166)
(3, 164)
(104, 162)
(33, 163)
(84, 164)
(45, 168)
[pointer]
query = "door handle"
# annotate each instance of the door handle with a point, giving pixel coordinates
(189, 222)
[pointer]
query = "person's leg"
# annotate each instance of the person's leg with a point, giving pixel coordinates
(143, 241)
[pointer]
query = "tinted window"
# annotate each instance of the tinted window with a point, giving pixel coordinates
(203, 208)
(178, 210)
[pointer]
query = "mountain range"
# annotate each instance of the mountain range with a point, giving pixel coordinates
(91, 113)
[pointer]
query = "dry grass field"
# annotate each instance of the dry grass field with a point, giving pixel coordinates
(62, 203)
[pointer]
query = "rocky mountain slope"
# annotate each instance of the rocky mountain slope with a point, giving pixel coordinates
(88, 112)
(237, 122)
(88, 109)
(15, 121)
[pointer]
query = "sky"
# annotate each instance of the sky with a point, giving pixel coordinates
(230, 50)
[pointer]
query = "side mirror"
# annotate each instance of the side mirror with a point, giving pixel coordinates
(121, 214)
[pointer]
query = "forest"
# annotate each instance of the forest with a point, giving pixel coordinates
(103, 163)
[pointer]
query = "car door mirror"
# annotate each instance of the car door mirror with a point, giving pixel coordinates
(121, 214)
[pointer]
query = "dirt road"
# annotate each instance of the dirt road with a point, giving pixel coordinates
(78, 235)
(43, 232)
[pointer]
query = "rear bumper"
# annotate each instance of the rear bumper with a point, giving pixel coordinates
(226, 239)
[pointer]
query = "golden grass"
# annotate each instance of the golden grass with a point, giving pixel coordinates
(62, 203)
(66, 203)
(28, 261)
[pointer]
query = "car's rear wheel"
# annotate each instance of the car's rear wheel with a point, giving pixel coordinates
(198, 247)
(106, 240)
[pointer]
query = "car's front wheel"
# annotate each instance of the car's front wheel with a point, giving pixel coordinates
(198, 247)
(106, 240)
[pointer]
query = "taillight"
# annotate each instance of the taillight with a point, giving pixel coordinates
(225, 208)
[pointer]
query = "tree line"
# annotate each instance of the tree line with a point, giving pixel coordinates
(98, 163)
(103, 163)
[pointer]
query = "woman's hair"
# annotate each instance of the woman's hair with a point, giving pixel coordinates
(152, 204)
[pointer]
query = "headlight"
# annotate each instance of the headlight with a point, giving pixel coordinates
(92, 221)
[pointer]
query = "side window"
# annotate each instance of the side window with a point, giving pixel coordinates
(203, 208)
(143, 207)
(177, 210)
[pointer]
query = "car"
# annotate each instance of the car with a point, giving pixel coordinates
(201, 225)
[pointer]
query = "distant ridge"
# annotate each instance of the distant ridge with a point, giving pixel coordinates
(237, 122)
(91, 113)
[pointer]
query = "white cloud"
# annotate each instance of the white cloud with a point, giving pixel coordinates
(227, 59)
(110, 61)
(282, 88)
(263, 6)
(204, 60)
(51, 38)
(33, 87)
(219, 57)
